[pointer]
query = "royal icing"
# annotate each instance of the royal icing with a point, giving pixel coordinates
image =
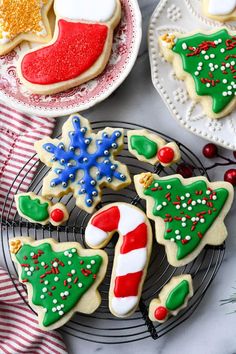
(86, 10)
(144, 146)
(58, 279)
(33, 208)
(21, 17)
(211, 61)
(188, 211)
(82, 162)
(132, 254)
(77, 48)
(221, 8)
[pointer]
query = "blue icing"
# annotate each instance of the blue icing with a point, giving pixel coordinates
(77, 158)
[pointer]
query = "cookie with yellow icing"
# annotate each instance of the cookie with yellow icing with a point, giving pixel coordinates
(23, 20)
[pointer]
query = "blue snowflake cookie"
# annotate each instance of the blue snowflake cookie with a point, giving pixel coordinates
(82, 162)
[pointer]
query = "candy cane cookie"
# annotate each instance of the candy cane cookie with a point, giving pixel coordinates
(132, 252)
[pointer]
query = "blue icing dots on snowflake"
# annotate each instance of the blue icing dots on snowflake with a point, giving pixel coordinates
(76, 158)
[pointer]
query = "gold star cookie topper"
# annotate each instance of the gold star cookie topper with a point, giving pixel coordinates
(23, 20)
(169, 39)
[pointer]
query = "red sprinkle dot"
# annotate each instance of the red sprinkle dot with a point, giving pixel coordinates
(57, 215)
(160, 313)
(166, 154)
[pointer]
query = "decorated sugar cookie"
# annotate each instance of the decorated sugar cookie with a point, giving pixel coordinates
(220, 10)
(80, 49)
(188, 213)
(152, 148)
(61, 278)
(172, 299)
(207, 64)
(40, 210)
(132, 252)
(22, 20)
(83, 162)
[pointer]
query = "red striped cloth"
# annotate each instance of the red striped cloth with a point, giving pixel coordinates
(19, 332)
(18, 132)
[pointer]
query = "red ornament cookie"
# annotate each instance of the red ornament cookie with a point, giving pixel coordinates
(80, 48)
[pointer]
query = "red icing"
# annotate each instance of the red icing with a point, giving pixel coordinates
(107, 220)
(166, 154)
(57, 215)
(77, 48)
(160, 313)
(127, 285)
(135, 239)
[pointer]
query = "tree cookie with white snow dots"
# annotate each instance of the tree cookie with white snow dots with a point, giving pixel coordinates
(79, 51)
(206, 62)
(61, 278)
(188, 213)
(132, 252)
(151, 148)
(172, 299)
(219, 10)
(39, 210)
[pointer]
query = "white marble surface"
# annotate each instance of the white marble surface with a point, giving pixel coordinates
(210, 330)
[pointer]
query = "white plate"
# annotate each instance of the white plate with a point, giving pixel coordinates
(125, 49)
(185, 16)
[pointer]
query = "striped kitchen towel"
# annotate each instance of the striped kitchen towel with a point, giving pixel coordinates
(19, 332)
(18, 161)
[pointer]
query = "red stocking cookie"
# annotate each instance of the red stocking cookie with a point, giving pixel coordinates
(80, 49)
(132, 252)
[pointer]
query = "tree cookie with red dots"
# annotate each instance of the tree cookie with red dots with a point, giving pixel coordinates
(80, 49)
(222, 11)
(206, 61)
(188, 213)
(152, 148)
(37, 209)
(23, 20)
(61, 278)
(172, 299)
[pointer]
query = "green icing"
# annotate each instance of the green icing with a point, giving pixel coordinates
(211, 61)
(177, 296)
(33, 208)
(59, 279)
(188, 211)
(144, 146)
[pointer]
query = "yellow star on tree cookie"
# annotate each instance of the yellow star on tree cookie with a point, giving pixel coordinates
(23, 20)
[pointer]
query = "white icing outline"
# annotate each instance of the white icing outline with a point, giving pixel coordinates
(86, 10)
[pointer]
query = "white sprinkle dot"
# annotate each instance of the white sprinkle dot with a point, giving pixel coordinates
(168, 186)
(80, 285)
(178, 237)
(54, 309)
(88, 266)
(188, 238)
(72, 271)
(61, 313)
(44, 290)
(42, 297)
(93, 261)
(56, 279)
(54, 301)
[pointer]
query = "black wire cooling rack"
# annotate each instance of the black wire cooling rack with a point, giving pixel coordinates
(102, 327)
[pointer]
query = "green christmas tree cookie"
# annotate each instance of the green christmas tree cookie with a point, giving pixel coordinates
(172, 299)
(188, 213)
(207, 62)
(61, 278)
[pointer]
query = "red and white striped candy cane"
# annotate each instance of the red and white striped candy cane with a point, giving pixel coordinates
(132, 252)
